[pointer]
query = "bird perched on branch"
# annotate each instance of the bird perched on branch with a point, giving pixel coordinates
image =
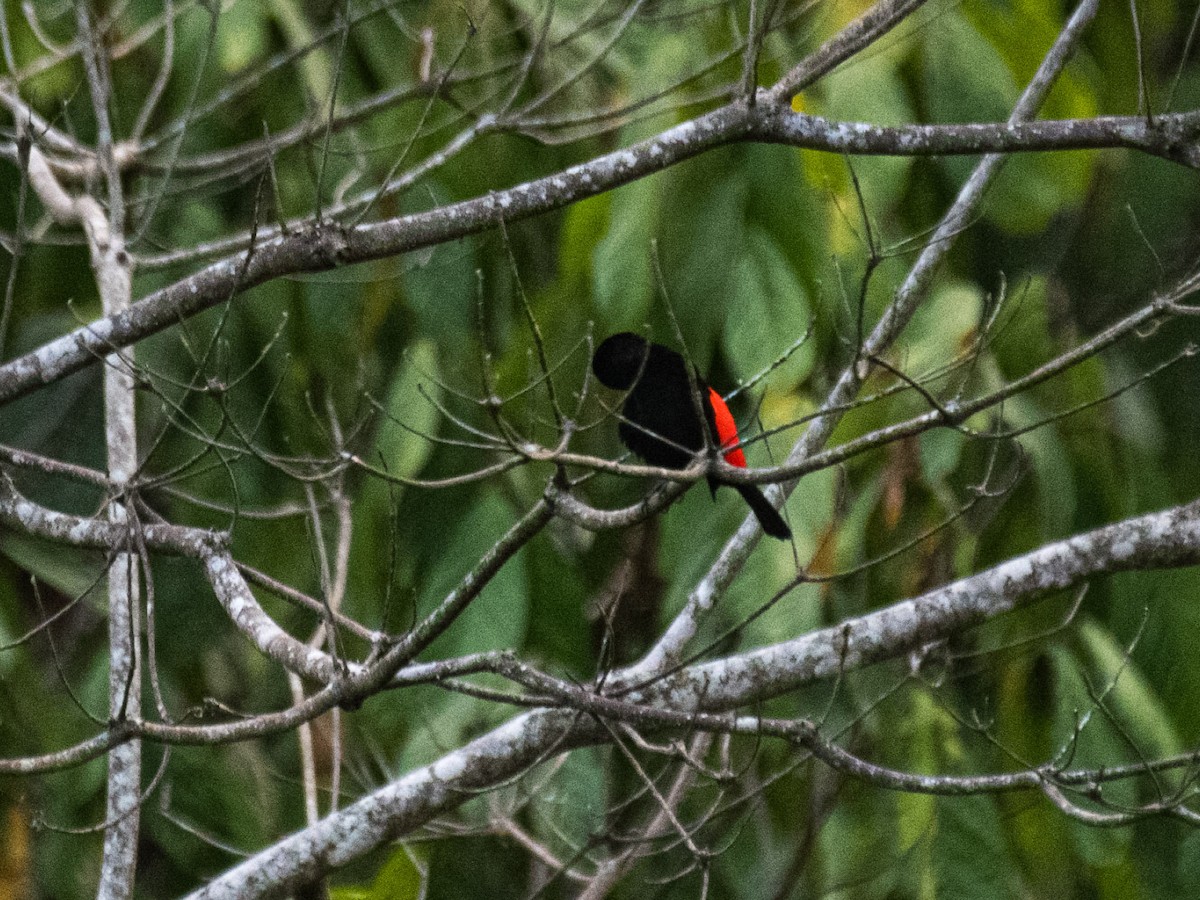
(661, 415)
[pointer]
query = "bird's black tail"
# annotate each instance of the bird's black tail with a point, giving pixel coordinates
(768, 516)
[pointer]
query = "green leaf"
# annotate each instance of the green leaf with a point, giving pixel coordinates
(408, 415)
(1131, 698)
(317, 66)
(941, 450)
(573, 806)
(583, 230)
(923, 741)
(1099, 743)
(441, 291)
(69, 572)
(1031, 190)
(971, 859)
(398, 879)
(1189, 859)
(623, 271)
(1025, 337)
(1051, 464)
(498, 617)
(942, 328)
(768, 309)
(704, 220)
(243, 36)
(852, 534)
(1164, 652)
(871, 91)
(773, 564)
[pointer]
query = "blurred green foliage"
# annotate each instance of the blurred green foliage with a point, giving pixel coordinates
(756, 245)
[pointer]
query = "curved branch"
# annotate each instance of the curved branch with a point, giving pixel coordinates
(1163, 539)
(318, 248)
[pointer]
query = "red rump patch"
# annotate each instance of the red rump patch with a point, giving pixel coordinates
(727, 432)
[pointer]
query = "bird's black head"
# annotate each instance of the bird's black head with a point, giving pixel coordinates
(620, 359)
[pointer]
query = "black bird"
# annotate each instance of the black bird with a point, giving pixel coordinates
(661, 424)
